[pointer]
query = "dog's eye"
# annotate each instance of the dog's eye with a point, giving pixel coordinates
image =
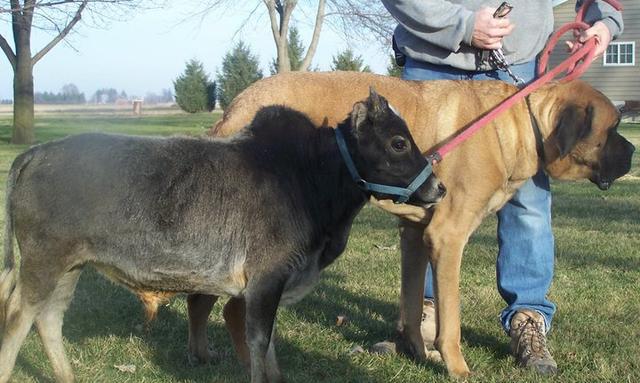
(399, 144)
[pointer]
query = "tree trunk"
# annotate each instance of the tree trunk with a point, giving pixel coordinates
(282, 46)
(23, 116)
(23, 131)
(280, 15)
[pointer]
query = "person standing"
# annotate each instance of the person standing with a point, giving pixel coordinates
(452, 39)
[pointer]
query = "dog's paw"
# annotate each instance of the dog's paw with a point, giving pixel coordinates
(411, 213)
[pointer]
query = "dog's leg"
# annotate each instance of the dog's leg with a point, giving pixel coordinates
(49, 324)
(234, 319)
(199, 307)
(262, 305)
(414, 263)
(446, 257)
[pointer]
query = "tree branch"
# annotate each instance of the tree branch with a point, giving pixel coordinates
(311, 51)
(286, 17)
(76, 18)
(6, 48)
(16, 20)
(271, 8)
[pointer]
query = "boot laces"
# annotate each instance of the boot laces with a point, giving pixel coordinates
(532, 340)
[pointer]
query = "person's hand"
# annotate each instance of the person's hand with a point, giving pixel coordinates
(599, 31)
(487, 31)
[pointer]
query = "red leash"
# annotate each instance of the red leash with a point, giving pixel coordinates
(575, 66)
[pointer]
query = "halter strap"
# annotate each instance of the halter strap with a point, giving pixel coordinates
(402, 194)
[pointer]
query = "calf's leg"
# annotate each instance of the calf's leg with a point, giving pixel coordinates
(49, 324)
(199, 307)
(262, 300)
(19, 317)
(414, 263)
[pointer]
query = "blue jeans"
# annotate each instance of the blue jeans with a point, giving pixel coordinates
(524, 267)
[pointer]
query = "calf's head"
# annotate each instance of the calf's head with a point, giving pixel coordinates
(384, 152)
(582, 139)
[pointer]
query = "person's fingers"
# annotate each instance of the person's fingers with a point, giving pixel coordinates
(488, 31)
(500, 23)
(573, 46)
(601, 33)
(493, 46)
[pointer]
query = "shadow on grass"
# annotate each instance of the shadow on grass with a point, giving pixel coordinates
(101, 309)
(477, 337)
(32, 371)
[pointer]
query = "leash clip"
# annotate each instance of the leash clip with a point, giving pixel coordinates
(497, 55)
(500, 61)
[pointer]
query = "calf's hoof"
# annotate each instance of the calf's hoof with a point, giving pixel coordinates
(207, 356)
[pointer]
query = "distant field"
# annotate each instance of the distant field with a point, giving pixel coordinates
(46, 109)
(597, 289)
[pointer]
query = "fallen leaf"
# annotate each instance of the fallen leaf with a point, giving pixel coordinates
(130, 368)
(356, 350)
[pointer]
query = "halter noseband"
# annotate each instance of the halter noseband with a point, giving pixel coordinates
(402, 194)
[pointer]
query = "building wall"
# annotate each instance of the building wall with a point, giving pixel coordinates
(620, 83)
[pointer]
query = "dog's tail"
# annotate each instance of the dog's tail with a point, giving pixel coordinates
(151, 300)
(8, 275)
(214, 131)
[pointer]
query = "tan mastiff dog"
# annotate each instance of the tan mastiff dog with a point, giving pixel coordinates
(568, 129)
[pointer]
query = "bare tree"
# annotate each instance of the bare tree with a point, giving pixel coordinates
(359, 19)
(57, 17)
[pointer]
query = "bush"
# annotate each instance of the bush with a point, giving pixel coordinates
(192, 88)
(393, 69)
(211, 96)
(240, 68)
(348, 61)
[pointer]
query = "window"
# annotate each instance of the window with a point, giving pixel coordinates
(620, 54)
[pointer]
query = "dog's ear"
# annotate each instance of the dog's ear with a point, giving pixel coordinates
(573, 125)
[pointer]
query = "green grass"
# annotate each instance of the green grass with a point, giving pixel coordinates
(594, 338)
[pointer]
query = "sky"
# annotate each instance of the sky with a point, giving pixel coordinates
(146, 52)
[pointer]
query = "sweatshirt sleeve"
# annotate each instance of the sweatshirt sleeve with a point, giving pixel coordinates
(438, 22)
(602, 11)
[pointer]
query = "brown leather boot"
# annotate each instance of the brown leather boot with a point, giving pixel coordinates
(427, 329)
(428, 323)
(529, 342)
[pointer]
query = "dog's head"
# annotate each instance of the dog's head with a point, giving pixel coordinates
(579, 126)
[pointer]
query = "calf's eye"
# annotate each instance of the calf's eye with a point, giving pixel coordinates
(399, 144)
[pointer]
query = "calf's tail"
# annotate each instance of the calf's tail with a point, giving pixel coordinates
(8, 275)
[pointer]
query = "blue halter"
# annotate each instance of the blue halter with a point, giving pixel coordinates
(403, 194)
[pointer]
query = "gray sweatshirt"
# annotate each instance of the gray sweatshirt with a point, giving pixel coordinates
(440, 31)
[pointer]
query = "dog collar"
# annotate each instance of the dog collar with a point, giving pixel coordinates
(402, 194)
(536, 132)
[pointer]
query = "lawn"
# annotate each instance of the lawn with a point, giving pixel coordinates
(597, 289)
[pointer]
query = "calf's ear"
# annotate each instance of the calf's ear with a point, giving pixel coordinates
(572, 125)
(377, 104)
(358, 115)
